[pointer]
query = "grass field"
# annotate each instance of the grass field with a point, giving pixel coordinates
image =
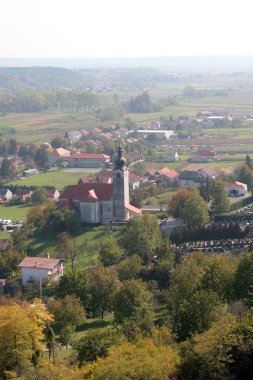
(56, 178)
(43, 126)
(46, 240)
(14, 212)
(159, 199)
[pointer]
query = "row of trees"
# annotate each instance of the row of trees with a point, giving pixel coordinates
(35, 101)
(214, 231)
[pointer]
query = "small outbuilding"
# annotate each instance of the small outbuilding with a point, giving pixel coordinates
(236, 189)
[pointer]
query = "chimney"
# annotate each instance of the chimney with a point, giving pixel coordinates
(48, 255)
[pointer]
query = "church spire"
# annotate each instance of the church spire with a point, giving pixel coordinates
(120, 161)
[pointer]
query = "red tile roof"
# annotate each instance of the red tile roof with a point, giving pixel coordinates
(94, 156)
(59, 152)
(103, 192)
(133, 209)
(134, 178)
(236, 185)
(38, 262)
(170, 173)
(97, 130)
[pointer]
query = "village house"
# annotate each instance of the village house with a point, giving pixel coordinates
(134, 181)
(195, 178)
(205, 154)
(74, 136)
(101, 202)
(24, 195)
(120, 133)
(236, 189)
(171, 155)
(57, 155)
(200, 122)
(87, 160)
(150, 176)
(52, 193)
(5, 195)
(36, 269)
(166, 175)
(204, 114)
(84, 133)
(154, 125)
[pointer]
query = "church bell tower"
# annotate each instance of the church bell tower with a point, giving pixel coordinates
(120, 188)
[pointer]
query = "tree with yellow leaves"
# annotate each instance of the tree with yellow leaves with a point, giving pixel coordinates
(21, 335)
(132, 361)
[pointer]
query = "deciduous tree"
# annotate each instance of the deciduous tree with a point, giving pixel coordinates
(132, 308)
(142, 237)
(195, 211)
(102, 283)
(67, 311)
(109, 251)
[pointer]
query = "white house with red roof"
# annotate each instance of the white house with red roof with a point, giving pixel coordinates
(87, 160)
(101, 202)
(56, 155)
(236, 189)
(36, 269)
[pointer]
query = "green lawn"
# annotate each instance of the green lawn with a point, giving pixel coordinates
(56, 178)
(14, 212)
(160, 199)
(46, 241)
(226, 164)
(172, 165)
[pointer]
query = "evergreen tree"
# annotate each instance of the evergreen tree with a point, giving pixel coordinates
(7, 169)
(41, 159)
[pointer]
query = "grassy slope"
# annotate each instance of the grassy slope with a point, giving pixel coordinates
(14, 212)
(56, 178)
(46, 241)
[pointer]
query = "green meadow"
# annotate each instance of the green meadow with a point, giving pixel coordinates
(57, 178)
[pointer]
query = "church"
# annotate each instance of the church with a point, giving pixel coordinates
(103, 202)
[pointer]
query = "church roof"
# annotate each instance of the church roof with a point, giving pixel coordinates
(88, 192)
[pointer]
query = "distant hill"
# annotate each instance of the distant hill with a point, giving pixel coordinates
(18, 79)
(188, 63)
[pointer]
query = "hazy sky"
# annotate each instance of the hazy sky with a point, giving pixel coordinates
(125, 28)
